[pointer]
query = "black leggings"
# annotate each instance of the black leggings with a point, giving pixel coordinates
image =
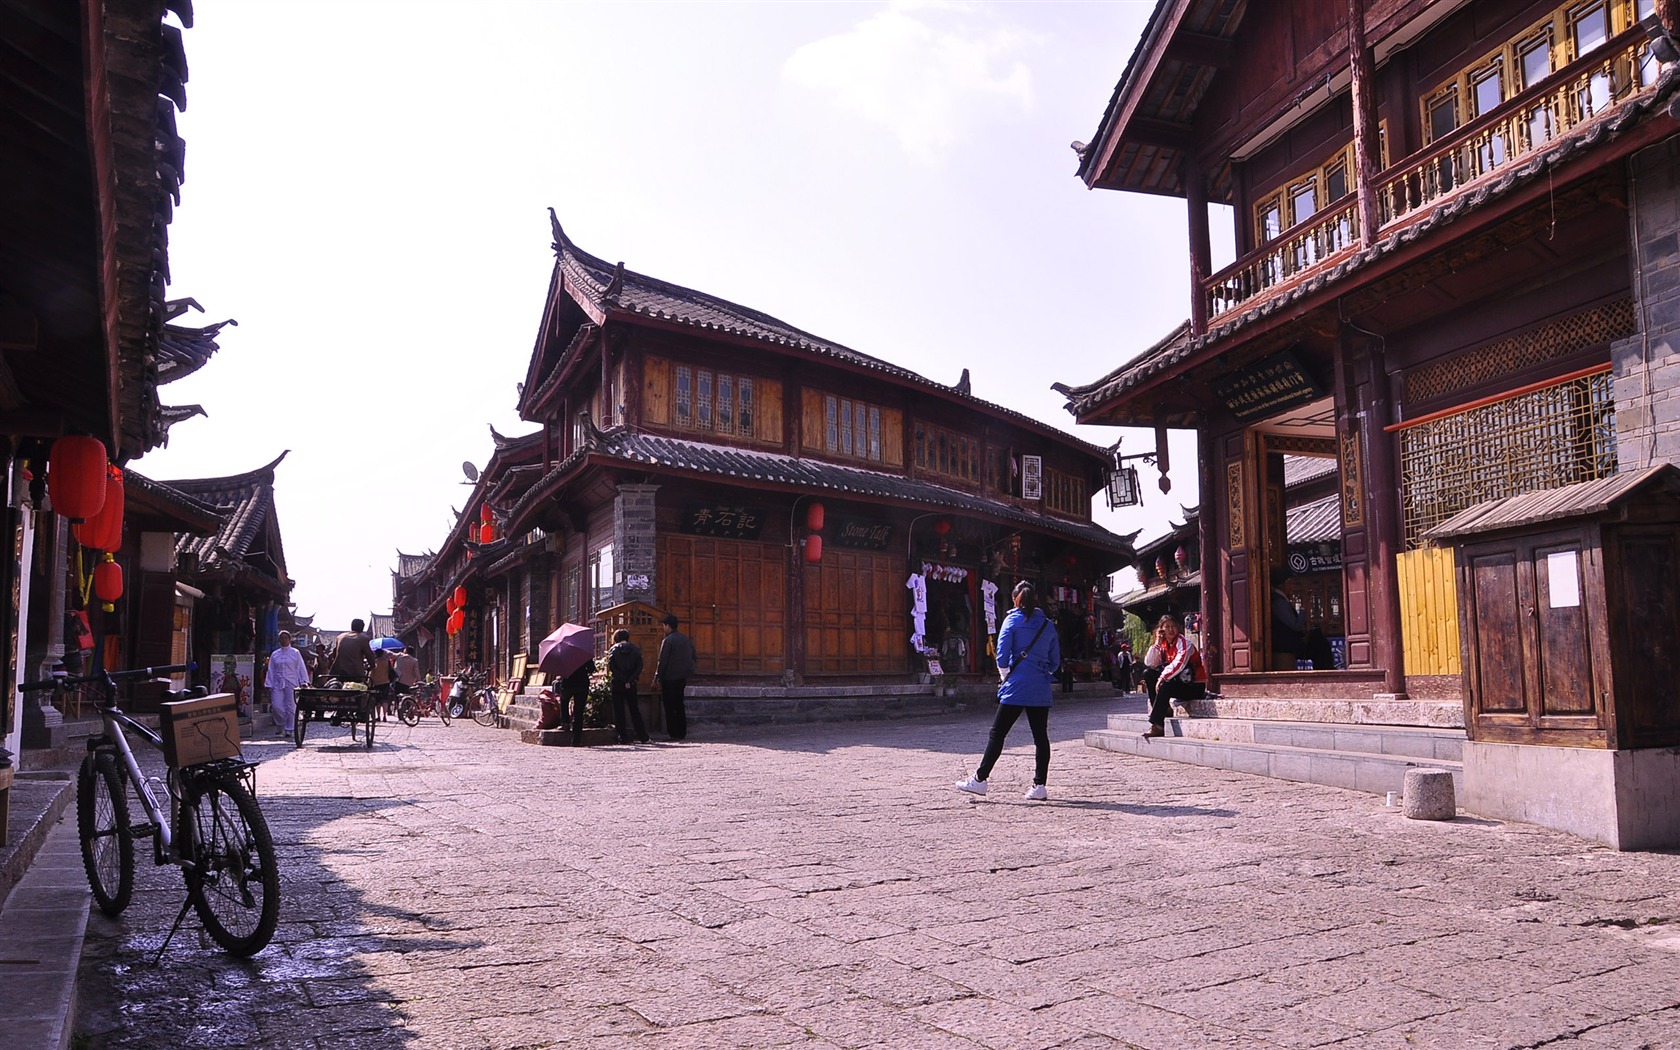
(1162, 694)
(1038, 718)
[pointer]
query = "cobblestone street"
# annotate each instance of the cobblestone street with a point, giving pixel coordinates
(824, 886)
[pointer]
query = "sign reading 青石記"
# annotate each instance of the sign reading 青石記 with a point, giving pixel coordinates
(1268, 386)
(727, 520)
(866, 533)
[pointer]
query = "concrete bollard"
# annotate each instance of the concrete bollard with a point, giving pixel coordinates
(1429, 795)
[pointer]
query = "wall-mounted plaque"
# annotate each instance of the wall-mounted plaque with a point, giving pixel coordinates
(1267, 387)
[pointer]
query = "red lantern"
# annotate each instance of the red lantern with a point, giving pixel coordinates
(459, 598)
(457, 620)
(108, 580)
(814, 517)
(1182, 556)
(103, 531)
(487, 532)
(813, 548)
(1161, 568)
(76, 476)
(484, 514)
(942, 526)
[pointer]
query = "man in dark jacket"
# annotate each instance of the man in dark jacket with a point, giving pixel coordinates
(676, 664)
(624, 670)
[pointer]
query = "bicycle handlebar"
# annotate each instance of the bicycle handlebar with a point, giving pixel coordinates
(112, 676)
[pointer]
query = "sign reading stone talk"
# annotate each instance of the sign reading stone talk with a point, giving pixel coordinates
(727, 520)
(1267, 387)
(866, 533)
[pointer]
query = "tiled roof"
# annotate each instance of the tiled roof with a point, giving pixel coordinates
(1317, 522)
(182, 350)
(245, 501)
(177, 505)
(1582, 499)
(614, 289)
(746, 465)
(1179, 347)
(1298, 470)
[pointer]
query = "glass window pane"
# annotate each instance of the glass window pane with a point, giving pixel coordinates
(875, 433)
(1271, 220)
(703, 400)
(1304, 200)
(1335, 183)
(746, 402)
(845, 428)
(831, 412)
(726, 404)
(1536, 61)
(685, 396)
(1443, 115)
(1490, 92)
(1591, 29)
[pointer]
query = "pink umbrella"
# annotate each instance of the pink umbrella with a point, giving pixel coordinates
(566, 650)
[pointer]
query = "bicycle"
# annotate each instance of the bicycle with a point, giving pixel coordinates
(214, 830)
(473, 695)
(420, 701)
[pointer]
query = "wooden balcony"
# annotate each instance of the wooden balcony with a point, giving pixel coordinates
(1576, 94)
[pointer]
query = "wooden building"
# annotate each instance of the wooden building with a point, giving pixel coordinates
(807, 511)
(1453, 281)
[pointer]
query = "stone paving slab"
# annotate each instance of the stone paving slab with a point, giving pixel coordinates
(824, 886)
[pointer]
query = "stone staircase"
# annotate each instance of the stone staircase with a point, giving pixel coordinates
(1360, 756)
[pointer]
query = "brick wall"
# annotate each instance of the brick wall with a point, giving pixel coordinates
(1647, 364)
(633, 536)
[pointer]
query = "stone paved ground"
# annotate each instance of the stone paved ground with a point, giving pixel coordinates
(824, 886)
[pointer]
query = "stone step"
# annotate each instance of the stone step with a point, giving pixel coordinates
(1433, 714)
(1435, 745)
(1372, 772)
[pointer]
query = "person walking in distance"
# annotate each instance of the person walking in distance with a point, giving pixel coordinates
(1028, 653)
(676, 664)
(624, 670)
(286, 672)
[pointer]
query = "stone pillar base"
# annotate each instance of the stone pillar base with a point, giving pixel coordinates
(1628, 800)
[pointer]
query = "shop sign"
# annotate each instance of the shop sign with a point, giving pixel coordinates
(1303, 560)
(866, 533)
(728, 520)
(1267, 387)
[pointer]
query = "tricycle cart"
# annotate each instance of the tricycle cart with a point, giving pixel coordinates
(339, 707)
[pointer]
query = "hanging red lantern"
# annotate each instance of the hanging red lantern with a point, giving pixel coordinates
(1182, 556)
(457, 620)
(108, 580)
(487, 532)
(942, 526)
(813, 548)
(103, 531)
(76, 476)
(459, 598)
(484, 514)
(814, 517)
(1161, 568)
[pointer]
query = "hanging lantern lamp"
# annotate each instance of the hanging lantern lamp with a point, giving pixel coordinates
(1182, 556)
(459, 597)
(457, 620)
(108, 581)
(103, 531)
(487, 533)
(814, 517)
(484, 514)
(942, 526)
(76, 476)
(813, 548)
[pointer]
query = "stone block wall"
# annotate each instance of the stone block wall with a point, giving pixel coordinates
(1647, 364)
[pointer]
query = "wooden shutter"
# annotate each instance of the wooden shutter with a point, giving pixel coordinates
(892, 437)
(767, 403)
(656, 391)
(812, 425)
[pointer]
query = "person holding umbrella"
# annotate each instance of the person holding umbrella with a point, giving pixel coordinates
(569, 655)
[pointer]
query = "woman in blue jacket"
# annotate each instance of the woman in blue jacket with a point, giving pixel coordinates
(1028, 653)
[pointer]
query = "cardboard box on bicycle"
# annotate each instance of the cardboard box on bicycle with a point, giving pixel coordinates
(199, 730)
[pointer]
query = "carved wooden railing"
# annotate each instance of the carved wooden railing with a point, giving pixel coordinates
(1579, 92)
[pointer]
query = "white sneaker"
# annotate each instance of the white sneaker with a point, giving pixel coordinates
(1036, 793)
(972, 786)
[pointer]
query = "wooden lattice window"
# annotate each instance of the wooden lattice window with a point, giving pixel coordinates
(1537, 439)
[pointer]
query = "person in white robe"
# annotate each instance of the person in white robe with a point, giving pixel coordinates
(286, 672)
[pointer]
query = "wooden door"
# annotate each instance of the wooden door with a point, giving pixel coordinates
(731, 598)
(856, 614)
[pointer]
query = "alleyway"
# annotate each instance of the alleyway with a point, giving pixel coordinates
(824, 886)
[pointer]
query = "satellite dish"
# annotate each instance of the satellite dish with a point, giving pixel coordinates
(469, 470)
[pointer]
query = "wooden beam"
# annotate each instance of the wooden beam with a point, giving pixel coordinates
(1201, 49)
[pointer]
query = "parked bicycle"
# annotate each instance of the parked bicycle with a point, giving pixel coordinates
(424, 699)
(213, 830)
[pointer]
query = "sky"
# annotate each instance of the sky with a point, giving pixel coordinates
(366, 193)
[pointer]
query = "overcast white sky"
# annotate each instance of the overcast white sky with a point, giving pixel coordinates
(366, 193)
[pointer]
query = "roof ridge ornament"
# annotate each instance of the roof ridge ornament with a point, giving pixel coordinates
(561, 241)
(615, 285)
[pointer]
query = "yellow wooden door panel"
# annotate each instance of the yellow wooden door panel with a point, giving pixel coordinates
(1429, 612)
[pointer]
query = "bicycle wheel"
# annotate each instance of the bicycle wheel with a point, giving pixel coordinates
(442, 710)
(456, 708)
(408, 711)
(299, 721)
(484, 710)
(232, 880)
(102, 825)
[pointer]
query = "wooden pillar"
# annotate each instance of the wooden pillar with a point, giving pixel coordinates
(1382, 502)
(1207, 527)
(1365, 150)
(1201, 251)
